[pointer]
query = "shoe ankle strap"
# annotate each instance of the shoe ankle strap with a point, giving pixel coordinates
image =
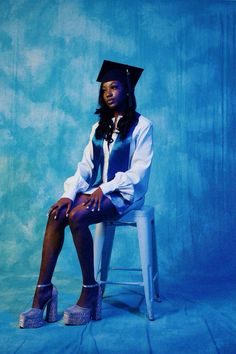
(90, 286)
(43, 285)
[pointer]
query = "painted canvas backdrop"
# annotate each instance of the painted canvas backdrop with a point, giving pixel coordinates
(50, 54)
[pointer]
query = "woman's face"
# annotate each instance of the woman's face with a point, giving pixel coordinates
(114, 95)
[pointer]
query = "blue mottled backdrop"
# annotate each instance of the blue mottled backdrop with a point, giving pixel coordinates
(51, 52)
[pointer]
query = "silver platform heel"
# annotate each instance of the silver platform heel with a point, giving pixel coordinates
(33, 318)
(77, 315)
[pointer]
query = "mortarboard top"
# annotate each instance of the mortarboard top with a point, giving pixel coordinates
(111, 70)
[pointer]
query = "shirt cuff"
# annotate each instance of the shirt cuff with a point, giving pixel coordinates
(71, 192)
(108, 187)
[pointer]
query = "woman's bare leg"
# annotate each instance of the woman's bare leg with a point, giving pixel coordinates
(80, 218)
(52, 245)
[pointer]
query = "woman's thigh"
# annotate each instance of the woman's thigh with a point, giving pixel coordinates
(83, 213)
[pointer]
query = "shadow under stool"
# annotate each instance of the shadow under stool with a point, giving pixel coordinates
(144, 221)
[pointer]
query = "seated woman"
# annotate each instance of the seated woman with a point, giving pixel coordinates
(111, 178)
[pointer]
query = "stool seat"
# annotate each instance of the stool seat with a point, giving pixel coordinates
(144, 221)
(132, 216)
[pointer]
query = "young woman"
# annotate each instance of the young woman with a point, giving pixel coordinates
(111, 179)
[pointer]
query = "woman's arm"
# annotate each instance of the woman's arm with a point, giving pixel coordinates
(127, 182)
(80, 181)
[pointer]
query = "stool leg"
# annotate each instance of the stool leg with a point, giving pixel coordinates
(145, 249)
(98, 242)
(106, 254)
(155, 275)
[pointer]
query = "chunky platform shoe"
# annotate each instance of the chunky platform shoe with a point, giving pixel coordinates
(33, 318)
(77, 315)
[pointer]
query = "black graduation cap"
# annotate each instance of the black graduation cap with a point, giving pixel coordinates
(111, 70)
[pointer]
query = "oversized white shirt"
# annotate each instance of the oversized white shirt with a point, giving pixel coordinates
(133, 183)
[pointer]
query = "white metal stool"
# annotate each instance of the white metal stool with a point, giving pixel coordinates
(143, 219)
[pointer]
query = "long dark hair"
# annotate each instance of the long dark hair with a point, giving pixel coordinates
(105, 126)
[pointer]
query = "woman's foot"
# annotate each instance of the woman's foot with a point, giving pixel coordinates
(88, 306)
(45, 298)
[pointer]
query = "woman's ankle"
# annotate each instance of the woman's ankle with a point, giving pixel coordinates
(41, 296)
(88, 296)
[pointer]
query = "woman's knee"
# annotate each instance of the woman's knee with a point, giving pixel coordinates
(58, 218)
(77, 218)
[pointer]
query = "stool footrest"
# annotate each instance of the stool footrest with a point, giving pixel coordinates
(121, 283)
(117, 223)
(128, 269)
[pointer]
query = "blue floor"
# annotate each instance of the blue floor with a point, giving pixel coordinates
(200, 319)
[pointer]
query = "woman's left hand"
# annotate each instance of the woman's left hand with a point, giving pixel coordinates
(94, 200)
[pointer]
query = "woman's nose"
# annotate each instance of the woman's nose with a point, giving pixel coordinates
(109, 93)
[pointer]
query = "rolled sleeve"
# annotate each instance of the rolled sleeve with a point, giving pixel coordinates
(79, 182)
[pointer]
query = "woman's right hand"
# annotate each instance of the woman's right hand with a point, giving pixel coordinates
(57, 207)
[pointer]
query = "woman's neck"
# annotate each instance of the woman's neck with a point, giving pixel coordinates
(120, 110)
(117, 114)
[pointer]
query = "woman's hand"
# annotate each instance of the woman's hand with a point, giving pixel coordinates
(94, 200)
(61, 203)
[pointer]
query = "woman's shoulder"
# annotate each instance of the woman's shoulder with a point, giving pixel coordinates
(144, 122)
(94, 126)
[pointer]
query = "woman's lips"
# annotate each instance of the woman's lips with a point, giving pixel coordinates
(110, 101)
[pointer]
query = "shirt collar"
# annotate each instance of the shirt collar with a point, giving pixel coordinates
(119, 117)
